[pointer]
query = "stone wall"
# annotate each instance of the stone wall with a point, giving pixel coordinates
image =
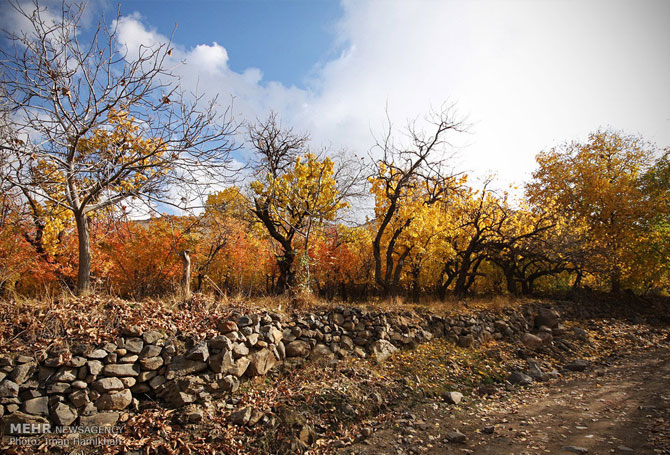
(91, 385)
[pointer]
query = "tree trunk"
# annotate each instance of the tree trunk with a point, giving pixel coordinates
(286, 275)
(578, 281)
(615, 279)
(84, 272)
(186, 274)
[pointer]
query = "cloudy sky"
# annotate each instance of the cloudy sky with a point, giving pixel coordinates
(525, 75)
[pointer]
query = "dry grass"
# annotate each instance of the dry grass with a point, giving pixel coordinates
(33, 324)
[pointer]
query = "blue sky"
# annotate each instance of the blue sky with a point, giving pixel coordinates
(284, 38)
(525, 75)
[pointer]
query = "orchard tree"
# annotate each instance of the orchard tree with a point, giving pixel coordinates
(94, 124)
(597, 184)
(295, 191)
(407, 177)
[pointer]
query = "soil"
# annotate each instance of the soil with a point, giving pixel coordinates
(620, 406)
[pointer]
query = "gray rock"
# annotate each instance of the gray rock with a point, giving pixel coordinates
(79, 398)
(37, 424)
(531, 341)
(101, 419)
(241, 416)
(229, 383)
(151, 363)
(260, 362)
(9, 389)
(63, 414)
(94, 367)
(198, 353)
(180, 366)
(128, 382)
(58, 388)
(98, 354)
(244, 321)
(519, 378)
(321, 352)
(382, 350)
(297, 348)
(220, 343)
(453, 397)
(23, 358)
(22, 372)
(252, 339)
(346, 342)
(79, 384)
(152, 336)
(157, 381)
(77, 361)
(130, 358)
(65, 375)
(146, 375)
(240, 350)
(226, 364)
(39, 406)
(547, 317)
(456, 436)
(114, 401)
(134, 345)
(575, 449)
(121, 369)
(274, 335)
(226, 326)
(577, 365)
(104, 385)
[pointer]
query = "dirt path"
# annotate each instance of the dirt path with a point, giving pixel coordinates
(621, 408)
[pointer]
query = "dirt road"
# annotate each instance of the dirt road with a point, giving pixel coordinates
(622, 407)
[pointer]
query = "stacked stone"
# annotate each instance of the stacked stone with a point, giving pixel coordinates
(93, 385)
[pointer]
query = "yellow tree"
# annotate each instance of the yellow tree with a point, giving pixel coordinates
(294, 191)
(597, 184)
(408, 175)
(93, 123)
(225, 218)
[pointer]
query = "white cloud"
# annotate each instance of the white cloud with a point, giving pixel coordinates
(528, 75)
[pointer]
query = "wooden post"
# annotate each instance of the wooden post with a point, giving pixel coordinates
(186, 274)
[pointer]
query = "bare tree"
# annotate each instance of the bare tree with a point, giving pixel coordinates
(93, 125)
(419, 163)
